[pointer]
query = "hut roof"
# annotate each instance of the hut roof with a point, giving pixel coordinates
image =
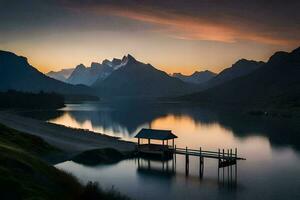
(155, 134)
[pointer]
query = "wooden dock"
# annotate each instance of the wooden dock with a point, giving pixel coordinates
(161, 150)
(221, 155)
(225, 158)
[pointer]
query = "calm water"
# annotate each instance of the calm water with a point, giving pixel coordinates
(271, 171)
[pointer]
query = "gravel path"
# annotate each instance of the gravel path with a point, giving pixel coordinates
(68, 139)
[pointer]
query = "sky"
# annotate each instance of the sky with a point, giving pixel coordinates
(173, 35)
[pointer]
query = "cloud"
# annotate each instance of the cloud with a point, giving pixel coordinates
(269, 22)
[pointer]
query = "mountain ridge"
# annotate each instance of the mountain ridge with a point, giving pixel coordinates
(135, 78)
(240, 68)
(17, 74)
(276, 84)
(88, 75)
(198, 77)
(61, 75)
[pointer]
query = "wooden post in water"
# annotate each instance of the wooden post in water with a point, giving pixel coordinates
(231, 163)
(186, 162)
(175, 159)
(200, 162)
(173, 143)
(223, 166)
(173, 169)
(219, 158)
(228, 163)
(235, 174)
(228, 157)
(223, 154)
(218, 164)
(175, 154)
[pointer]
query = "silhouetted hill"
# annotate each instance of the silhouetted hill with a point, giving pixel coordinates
(196, 77)
(275, 85)
(61, 75)
(240, 68)
(17, 74)
(133, 78)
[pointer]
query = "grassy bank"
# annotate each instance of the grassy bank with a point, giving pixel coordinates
(24, 174)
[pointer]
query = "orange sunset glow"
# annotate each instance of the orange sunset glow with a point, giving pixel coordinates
(186, 40)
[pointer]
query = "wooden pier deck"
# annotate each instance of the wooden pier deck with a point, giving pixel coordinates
(229, 155)
(225, 159)
(162, 150)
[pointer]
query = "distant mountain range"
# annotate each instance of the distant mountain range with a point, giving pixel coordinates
(87, 75)
(196, 77)
(17, 74)
(275, 84)
(96, 72)
(247, 83)
(124, 77)
(205, 79)
(61, 75)
(238, 69)
(134, 78)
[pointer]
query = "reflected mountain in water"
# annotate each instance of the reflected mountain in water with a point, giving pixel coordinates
(126, 119)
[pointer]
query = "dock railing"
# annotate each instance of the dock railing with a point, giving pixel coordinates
(229, 155)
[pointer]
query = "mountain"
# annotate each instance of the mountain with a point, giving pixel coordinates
(196, 77)
(17, 74)
(240, 68)
(61, 75)
(134, 78)
(115, 63)
(275, 84)
(88, 75)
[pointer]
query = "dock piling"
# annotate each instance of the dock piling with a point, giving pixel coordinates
(223, 161)
(228, 162)
(186, 162)
(231, 160)
(201, 163)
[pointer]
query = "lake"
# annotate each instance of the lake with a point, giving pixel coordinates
(271, 147)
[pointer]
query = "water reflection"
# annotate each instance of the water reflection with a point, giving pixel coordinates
(264, 180)
(164, 168)
(271, 171)
(142, 178)
(197, 125)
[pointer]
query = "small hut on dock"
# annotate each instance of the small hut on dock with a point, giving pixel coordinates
(163, 149)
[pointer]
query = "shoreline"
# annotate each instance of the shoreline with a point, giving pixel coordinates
(70, 140)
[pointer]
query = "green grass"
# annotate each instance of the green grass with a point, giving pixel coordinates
(24, 175)
(29, 143)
